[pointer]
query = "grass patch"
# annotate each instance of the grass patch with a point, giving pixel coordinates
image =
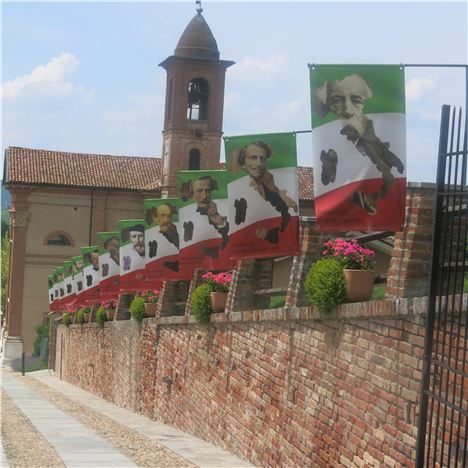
(277, 302)
(378, 294)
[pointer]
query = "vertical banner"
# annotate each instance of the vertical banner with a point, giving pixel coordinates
(91, 274)
(132, 255)
(263, 195)
(359, 147)
(162, 242)
(203, 218)
(56, 289)
(69, 284)
(60, 288)
(78, 279)
(109, 264)
(50, 290)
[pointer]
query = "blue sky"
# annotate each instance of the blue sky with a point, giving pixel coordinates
(84, 77)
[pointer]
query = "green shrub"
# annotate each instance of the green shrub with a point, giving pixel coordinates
(378, 293)
(42, 332)
(101, 316)
(325, 284)
(66, 320)
(80, 316)
(277, 301)
(201, 303)
(137, 308)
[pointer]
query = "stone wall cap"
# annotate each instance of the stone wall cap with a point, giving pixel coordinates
(428, 185)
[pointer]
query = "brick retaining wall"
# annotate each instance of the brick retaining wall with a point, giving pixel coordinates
(279, 387)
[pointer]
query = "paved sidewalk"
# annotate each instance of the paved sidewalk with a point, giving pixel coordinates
(76, 445)
(195, 450)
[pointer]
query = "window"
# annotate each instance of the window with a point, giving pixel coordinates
(197, 100)
(194, 160)
(58, 238)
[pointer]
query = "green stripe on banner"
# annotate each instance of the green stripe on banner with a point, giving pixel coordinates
(386, 82)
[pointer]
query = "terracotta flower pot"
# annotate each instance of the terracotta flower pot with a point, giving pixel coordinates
(150, 309)
(359, 284)
(110, 314)
(86, 317)
(218, 301)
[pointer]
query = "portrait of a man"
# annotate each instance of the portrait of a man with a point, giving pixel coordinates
(200, 191)
(136, 235)
(162, 217)
(253, 160)
(346, 99)
(112, 245)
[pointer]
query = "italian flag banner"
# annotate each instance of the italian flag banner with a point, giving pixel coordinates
(50, 282)
(68, 282)
(78, 279)
(162, 241)
(203, 220)
(359, 147)
(109, 261)
(91, 274)
(263, 195)
(132, 255)
(59, 292)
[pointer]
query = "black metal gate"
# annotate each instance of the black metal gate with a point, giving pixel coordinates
(442, 433)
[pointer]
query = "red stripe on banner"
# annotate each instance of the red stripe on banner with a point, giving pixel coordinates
(249, 242)
(207, 255)
(346, 209)
(133, 281)
(109, 288)
(166, 269)
(90, 296)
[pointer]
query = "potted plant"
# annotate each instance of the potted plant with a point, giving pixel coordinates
(80, 317)
(86, 313)
(110, 307)
(101, 316)
(151, 298)
(358, 267)
(66, 319)
(220, 284)
(201, 303)
(325, 284)
(137, 308)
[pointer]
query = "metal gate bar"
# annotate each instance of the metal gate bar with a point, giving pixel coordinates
(443, 411)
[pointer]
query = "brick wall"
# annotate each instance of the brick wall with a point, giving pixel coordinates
(277, 387)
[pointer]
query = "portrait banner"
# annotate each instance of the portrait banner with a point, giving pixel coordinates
(109, 264)
(132, 255)
(60, 288)
(203, 220)
(50, 290)
(162, 242)
(78, 279)
(69, 284)
(91, 274)
(263, 195)
(359, 147)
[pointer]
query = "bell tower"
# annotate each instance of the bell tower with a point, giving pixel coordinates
(193, 117)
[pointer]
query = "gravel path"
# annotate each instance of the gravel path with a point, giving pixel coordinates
(140, 449)
(24, 446)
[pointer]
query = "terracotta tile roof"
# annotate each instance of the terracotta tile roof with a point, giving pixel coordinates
(56, 168)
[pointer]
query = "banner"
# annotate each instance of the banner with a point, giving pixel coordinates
(132, 255)
(69, 284)
(263, 195)
(203, 217)
(109, 264)
(162, 242)
(91, 274)
(78, 279)
(50, 290)
(358, 144)
(60, 288)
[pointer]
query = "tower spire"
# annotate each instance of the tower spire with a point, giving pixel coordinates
(199, 7)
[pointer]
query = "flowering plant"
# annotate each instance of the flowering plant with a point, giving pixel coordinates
(109, 305)
(150, 296)
(219, 282)
(350, 254)
(72, 309)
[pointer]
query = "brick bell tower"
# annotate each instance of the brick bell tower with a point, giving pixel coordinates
(193, 117)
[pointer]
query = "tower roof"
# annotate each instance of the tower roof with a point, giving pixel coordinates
(197, 41)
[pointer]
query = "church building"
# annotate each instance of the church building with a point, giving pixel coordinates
(60, 200)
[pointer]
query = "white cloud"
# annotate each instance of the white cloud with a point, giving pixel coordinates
(418, 86)
(252, 66)
(50, 79)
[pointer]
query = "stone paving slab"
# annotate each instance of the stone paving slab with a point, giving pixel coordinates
(195, 450)
(3, 459)
(76, 445)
